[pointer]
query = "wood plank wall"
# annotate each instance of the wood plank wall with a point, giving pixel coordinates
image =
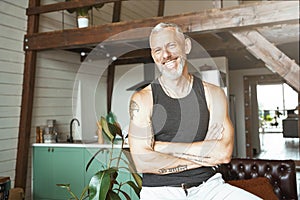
(55, 74)
(13, 25)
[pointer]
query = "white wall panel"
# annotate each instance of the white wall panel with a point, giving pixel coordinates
(8, 133)
(11, 56)
(138, 9)
(8, 78)
(8, 154)
(11, 69)
(9, 112)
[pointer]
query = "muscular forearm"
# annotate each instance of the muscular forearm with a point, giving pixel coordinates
(207, 153)
(161, 163)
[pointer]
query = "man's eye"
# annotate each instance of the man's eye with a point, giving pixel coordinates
(172, 45)
(157, 51)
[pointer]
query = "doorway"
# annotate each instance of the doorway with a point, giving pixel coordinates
(255, 144)
(277, 107)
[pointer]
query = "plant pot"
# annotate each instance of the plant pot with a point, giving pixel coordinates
(82, 22)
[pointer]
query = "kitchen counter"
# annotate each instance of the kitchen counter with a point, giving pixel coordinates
(79, 145)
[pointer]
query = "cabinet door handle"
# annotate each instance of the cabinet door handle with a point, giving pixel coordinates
(48, 149)
(52, 149)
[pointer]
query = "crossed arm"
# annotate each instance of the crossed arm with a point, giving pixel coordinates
(167, 157)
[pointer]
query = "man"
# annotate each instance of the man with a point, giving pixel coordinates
(179, 127)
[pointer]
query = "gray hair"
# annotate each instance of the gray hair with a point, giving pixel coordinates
(164, 25)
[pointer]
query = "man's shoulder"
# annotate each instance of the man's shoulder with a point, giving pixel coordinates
(143, 94)
(213, 92)
(211, 86)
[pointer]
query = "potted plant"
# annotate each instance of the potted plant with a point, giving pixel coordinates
(104, 185)
(82, 14)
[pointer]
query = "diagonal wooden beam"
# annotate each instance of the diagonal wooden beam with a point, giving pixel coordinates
(274, 59)
(214, 20)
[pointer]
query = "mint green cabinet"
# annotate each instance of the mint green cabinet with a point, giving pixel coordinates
(53, 165)
(101, 162)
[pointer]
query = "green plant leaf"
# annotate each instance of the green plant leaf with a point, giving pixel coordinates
(110, 118)
(94, 156)
(137, 177)
(112, 196)
(100, 183)
(84, 11)
(115, 129)
(136, 189)
(125, 194)
(85, 190)
(106, 130)
(113, 125)
(68, 188)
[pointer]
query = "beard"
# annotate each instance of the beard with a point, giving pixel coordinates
(172, 74)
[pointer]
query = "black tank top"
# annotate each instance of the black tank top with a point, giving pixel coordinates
(179, 120)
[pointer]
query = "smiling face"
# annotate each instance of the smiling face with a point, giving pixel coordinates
(169, 49)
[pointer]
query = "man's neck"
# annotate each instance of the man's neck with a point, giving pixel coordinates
(177, 88)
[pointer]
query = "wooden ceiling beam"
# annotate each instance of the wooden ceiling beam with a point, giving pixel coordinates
(274, 59)
(64, 6)
(214, 20)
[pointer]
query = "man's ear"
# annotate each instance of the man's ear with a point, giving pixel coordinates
(188, 45)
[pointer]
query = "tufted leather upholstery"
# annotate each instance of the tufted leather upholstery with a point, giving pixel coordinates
(281, 173)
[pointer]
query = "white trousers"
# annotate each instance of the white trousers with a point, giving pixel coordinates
(213, 189)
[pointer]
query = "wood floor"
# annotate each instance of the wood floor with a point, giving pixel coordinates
(275, 146)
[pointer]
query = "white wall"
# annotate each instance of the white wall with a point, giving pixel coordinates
(236, 88)
(12, 29)
(173, 7)
(125, 77)
(55, 76)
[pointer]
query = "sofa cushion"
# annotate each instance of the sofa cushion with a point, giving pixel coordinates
(259, 186)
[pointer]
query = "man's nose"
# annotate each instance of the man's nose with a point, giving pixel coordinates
(166, 53)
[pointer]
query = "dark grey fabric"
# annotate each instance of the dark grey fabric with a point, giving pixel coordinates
(179, 120)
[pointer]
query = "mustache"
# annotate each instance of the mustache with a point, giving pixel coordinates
(164, 61)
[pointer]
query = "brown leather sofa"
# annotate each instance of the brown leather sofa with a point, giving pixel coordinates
(281, 174)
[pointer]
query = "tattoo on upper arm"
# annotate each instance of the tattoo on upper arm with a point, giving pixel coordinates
(179, 168)
(133, 109)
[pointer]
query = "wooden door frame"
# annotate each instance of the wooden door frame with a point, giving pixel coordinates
(259, 79)
(248, 82)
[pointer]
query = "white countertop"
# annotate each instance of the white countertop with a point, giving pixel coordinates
(80, 145)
